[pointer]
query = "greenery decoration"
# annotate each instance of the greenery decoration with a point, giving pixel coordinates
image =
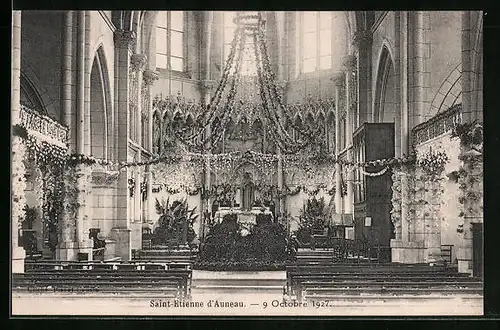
(311, 219)
(470, 134)
(224, 244)
(433, 162)
(175, 224)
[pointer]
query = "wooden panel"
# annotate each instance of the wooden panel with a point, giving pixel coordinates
(377, 142)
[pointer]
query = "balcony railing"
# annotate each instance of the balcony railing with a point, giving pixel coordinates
(437, 125)
(43, 127)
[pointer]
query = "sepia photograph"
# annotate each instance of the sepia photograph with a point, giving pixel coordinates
(246, 163)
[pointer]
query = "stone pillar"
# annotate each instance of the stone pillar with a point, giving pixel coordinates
(124, 40)
(281, 177)
(68, 117)
(83, 217)
(432, 223)
(419, 56)
(338, 80)
(349, 64)
(149, 77)
(137, 64)
(472, 185)
(18, 149)
(207, 86)
(363, 47)
(404, 249)
(80, 83)
(68, 243)
(467, 68)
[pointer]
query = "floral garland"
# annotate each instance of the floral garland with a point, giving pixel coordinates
(396, 201)
(375, 174)
(18, 180)
(44, 152)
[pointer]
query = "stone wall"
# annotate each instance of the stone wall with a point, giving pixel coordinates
(448, 205)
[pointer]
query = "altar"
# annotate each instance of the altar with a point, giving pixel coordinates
(243, 216)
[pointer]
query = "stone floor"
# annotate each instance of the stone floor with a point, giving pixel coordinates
(237, 293)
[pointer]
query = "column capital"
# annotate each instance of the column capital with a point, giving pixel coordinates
(338, 79)
(349, 63)
(207, 85)
(138, 62)
(362, 38)
(149, 76)
(124, 38)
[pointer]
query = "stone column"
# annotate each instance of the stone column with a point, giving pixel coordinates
(281, 177)
(468, 114)
(149, 77)
(419, 56)
(83, 200)
(80, 83)
(432, 224)
(471, 191)
(124, 40)
(404, 250)
(67, 47)
(363, 47)
(207, 87)
(67, 247)
(338, 80)
(18, 149)
(405, 132)
(349, 64)
(137, 64)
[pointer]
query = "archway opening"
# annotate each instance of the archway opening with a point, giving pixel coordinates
(386, 103)
(98, 120)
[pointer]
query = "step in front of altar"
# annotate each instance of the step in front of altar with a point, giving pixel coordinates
(220, 283)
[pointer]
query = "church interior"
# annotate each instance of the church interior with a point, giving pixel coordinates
(179, 143)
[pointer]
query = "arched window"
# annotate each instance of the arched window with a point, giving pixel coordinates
(248, 65)
(315, 41)
(170, 28)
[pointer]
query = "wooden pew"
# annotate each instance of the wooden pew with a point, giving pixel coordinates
(106, 273)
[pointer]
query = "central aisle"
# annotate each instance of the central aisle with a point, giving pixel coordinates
(249, 287)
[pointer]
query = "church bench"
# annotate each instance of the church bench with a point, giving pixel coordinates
(298, 275)
(120, 265)
(113, 276)
(326, 293)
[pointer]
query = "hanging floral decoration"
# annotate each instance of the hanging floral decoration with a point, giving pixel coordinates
(44, 152)
(433, 162)
(470, 135)
(50, 159)
(470, 173)
(396, 200)
(374, 174)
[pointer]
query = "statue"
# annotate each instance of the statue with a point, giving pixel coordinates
(247, 192)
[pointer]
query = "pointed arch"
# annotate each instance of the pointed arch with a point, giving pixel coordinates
(32, 87)
(101, 111)
(30, 96)
(385, 107)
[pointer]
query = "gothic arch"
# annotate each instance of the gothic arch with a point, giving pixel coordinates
(385, 107)
(30, 96)
(477, 58)
(34, 86)
(101, 110)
